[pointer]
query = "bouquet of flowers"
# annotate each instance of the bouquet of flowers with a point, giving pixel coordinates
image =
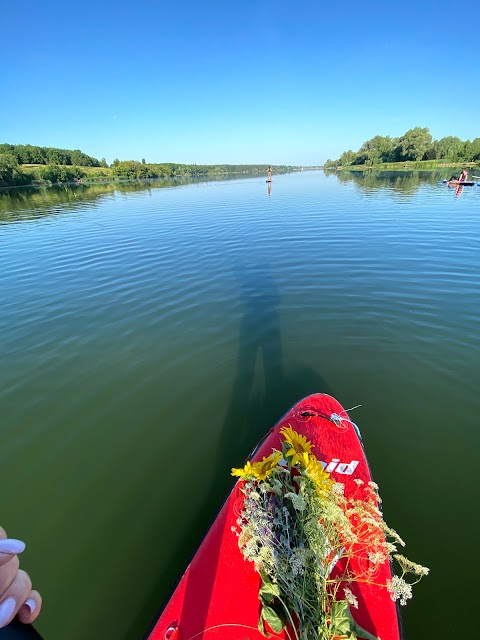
(311, 544)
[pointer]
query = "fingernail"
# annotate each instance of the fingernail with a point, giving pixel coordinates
(6, 610)
(10, 545)
(31, 604)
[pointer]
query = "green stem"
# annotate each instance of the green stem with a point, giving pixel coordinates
(289, 617)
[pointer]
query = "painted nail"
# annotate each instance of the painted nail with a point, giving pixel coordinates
(31, 604)
(10, 545)
(6, 611)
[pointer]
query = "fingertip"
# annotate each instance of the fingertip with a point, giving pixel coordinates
(11, 546)
(7, 611)
(30, 610)
(31, 604)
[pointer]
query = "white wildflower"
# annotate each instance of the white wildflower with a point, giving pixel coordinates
(350, 598)
(377, 558)
(297, 501)
(250, 549)
(338, 489)
(399, 590)
(297, 561)
(393, 534)
(411, 567)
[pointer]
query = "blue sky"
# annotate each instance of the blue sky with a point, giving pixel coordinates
(246, 82)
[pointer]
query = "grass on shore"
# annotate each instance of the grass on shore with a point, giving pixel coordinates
(31, 168)
(420, 165)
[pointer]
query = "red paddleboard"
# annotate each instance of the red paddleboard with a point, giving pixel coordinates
(217, 596)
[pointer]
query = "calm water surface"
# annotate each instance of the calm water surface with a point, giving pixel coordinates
(150, 336)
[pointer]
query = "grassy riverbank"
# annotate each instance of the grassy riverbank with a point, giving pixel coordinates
(420, 165)
(28, 165)
(86, 173)
(37, 175)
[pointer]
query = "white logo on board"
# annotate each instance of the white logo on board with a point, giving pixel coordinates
(345, 468)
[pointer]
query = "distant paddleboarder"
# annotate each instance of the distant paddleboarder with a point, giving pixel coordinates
(269, 174)
(461, 178)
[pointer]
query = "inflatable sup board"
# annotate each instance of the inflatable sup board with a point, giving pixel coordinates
(457, 183)
(217, 596)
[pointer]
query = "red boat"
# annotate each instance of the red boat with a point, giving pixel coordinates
(217, 597)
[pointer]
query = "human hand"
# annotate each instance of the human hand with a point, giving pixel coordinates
(16, 595)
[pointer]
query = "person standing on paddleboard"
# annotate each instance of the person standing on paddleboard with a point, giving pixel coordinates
(269, 174)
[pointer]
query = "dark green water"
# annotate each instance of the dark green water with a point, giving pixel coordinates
(150, 336)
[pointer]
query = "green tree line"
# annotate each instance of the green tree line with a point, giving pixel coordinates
(131, 169)
(13, 173)
(30, 154)
(416, 144)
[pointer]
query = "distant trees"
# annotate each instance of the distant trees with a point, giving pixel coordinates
(373, 150)
(416, 144)
(63, 165)
(132, 170)
(450, 148)
(30, 154)
(472, 150)
(8, 165)
(55, 173)
(10, 173)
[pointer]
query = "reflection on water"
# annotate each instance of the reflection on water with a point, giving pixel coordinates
(29, 203)
(404, 182)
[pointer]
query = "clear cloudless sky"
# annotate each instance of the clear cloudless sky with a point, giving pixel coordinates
(235, 82)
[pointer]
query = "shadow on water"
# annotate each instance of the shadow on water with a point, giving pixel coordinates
(263, 390)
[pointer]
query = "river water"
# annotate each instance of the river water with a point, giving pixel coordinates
(150, 336)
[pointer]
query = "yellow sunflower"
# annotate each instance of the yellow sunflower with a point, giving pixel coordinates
(263, 469)
(246, 471)
(317, 473)
(299, 444)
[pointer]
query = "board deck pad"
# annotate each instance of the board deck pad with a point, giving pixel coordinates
(217, 596)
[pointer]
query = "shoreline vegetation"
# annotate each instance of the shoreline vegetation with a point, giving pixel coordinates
(28, 165)
(415, 150)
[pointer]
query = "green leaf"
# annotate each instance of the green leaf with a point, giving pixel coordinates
(272, 618)
(342, 623)
(269, 589)
(341, 620)
(261, 626)
(362, 633)
(265, 577)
